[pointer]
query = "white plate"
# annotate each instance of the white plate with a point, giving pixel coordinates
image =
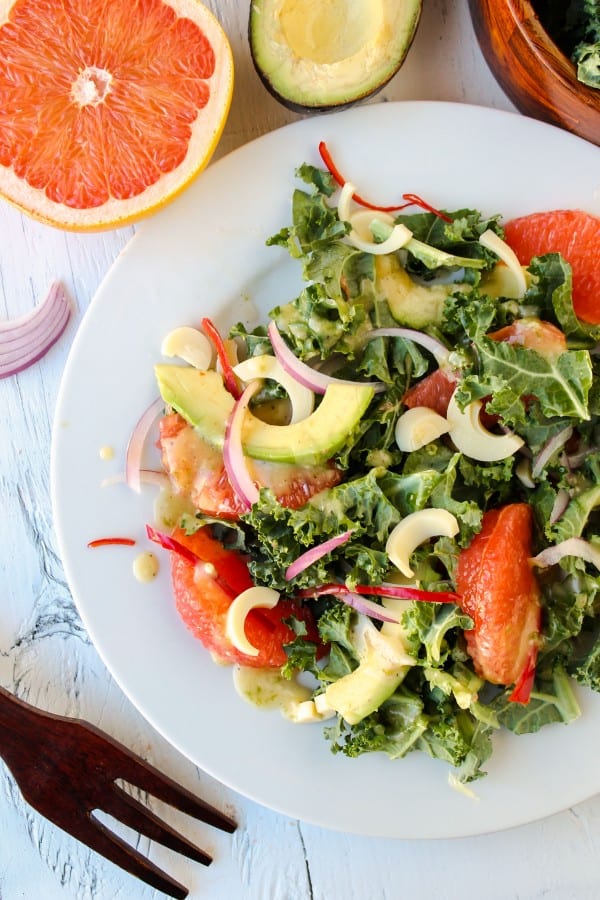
(206, 255)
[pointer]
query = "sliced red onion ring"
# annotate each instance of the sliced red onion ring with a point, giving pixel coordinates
(367, 607)
(151, 476)
(147, 476)
(233, 453)
(549, 449)
(135, 447)
(440, 353)
(25, 340)
(560, 504)
(305, 374)
(307, 559)
(575, 460)
(574, 546)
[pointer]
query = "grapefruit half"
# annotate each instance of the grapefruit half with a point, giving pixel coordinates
(107, 110)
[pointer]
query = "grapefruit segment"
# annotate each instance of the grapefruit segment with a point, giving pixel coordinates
(197, 470)
(202, 600)
(107, 110)
(533, 334)
(574, 234)
(500, 593)
(433, 391)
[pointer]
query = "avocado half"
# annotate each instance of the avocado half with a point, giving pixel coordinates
(322, 55)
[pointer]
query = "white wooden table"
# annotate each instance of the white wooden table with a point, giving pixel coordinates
(47, 658)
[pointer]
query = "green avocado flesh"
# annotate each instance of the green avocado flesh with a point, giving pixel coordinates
(382, 667)
(314, 55)
(202, 400)
(199, 397)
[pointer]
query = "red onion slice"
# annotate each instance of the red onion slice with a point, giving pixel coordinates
(147, 476)
(135, 447)
(574, 546)
(575, 460)
(233, 452)
(25, 340)
(440, 353)
(367, 607)
(151, 476)
(307, 559)
(549, 449)
(305, 374)
(560, 504)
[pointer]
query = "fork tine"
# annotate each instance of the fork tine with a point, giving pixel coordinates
(141, 774)
(95, 835)
(133, 814)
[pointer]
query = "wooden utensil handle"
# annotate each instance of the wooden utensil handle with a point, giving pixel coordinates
(18, 722)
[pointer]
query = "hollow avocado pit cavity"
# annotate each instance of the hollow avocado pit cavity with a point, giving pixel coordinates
(315, 56)
(312, 30)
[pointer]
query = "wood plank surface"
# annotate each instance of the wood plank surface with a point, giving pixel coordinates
(47, 658)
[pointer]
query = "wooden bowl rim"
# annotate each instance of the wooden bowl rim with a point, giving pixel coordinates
(544, 48)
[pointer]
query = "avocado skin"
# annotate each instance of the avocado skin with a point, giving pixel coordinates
(317, 108)
(322, 109)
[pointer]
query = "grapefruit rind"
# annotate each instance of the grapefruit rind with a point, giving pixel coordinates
(206, 132)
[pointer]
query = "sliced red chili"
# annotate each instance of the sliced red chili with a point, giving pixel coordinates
(524, 685)
(231, 382)
(415, 200)
(383, 590)
(175, 546)
(104, 542)
(410, 199)
(169, 543)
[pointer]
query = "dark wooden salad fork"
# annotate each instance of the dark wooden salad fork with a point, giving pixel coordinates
(67, 768)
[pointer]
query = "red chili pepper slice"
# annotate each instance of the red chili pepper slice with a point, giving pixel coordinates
(104, 542)
(175, 546)
(384, 590)
(411, 199)
(169, 543)
(415, 200)
(522, 690)
(231, 382)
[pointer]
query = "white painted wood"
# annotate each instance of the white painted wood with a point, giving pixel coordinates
(46, 657)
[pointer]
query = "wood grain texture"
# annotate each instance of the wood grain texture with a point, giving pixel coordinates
(47, 658)
(540, 80)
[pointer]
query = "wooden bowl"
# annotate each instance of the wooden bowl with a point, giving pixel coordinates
(539, 79)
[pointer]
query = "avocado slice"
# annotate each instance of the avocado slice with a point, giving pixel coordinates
(314, 56)
(199, 396)
(383, 664)
(202, 400)
(412, 304)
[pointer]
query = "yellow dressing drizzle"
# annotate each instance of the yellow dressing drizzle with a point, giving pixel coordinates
(145, 567)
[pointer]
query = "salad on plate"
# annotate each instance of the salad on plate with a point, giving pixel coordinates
(381, 503)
